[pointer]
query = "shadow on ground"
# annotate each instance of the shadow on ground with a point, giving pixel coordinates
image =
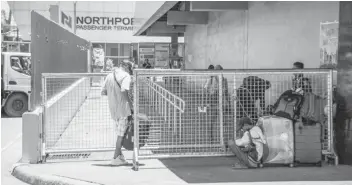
(109, 165)
(218, 170)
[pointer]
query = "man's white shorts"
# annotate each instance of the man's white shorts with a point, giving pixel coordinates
(120, 126)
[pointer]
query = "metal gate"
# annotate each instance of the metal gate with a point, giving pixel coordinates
(185, 119)
(209, 120)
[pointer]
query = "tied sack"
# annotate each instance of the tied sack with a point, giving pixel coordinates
(313, 108)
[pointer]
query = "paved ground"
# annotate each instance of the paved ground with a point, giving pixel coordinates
(194, 171)
(91, 128)
(11, 148)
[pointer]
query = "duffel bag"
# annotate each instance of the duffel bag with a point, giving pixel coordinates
(144, 127)
(313, 108)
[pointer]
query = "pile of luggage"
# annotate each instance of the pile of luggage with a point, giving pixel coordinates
(290, 133)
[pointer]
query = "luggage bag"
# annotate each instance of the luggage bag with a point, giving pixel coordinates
(288, 105)
(308, 144)
(279, 148)
(313, 107)
(144, 127)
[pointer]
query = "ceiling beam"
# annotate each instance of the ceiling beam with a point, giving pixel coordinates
(159, 13)
(150, 34)
(162, 27)
(218, 5)
(186, 18)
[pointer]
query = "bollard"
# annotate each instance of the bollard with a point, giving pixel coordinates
(31, 136)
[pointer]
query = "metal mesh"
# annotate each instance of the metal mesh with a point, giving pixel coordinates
(211, 115)
(186, 116)
(181, 118)
(77, 116)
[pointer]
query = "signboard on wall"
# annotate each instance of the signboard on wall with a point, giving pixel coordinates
(162, 55)
(111, 23)
(147, 52)
(328, 43)
(97, 21)
(66, 20)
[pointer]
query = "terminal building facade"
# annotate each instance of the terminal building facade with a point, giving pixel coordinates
(108, 25)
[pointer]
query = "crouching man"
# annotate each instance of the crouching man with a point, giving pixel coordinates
(249, 149)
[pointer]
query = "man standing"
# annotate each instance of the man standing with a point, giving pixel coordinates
(117, 87)
(146, 64)
(300, 83)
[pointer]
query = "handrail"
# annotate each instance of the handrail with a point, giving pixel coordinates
(156, 87)
(53, 100)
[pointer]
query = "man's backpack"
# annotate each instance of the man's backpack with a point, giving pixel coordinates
(288, 105)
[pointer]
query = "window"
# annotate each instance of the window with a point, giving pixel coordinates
(114, 52)
(21, 64)
(112, 49)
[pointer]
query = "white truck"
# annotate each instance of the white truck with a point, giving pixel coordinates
(15, 82)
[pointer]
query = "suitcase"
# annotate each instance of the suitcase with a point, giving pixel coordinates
(308, 144)
(279, 148)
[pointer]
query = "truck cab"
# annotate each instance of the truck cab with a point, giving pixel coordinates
(15, 82)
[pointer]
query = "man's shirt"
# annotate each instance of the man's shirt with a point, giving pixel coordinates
(118, 104)
(300, 82)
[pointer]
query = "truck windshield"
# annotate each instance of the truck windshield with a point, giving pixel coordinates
(21, 64)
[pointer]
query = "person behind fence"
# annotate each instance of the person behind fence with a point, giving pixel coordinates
(146, 64)
(248, 95)
(207, 85)
(300, 83)
(213, 98)
(117, 86)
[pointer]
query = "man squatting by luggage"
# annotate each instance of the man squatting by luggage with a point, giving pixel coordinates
(249, 149)
(116, 87)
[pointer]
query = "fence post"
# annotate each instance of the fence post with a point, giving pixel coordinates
(44, 118)
(234, 107)
(136, 122)
(221, 111)
(331, 141)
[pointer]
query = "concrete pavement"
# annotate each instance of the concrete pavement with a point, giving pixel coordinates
(11, 148)
(92, 128)
(213, 170)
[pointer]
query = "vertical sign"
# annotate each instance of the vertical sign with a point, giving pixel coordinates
(161, 55)
(328, 43)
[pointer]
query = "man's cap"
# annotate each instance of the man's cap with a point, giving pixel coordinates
(127, 65)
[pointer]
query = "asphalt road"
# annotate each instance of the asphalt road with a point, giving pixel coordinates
(11, 148)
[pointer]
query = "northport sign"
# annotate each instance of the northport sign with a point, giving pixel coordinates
(92, 23)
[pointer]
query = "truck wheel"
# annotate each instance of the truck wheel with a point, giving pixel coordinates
(16, 105)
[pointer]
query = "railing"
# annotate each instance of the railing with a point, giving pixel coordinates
(164, 107)
(77, 117)
(210, 120)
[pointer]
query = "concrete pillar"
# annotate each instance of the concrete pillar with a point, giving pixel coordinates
(344, 85)
(174, 46)
(54, 13)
